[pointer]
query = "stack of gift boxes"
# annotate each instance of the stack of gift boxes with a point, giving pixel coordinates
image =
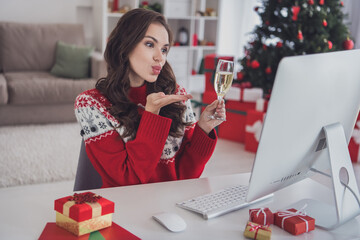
(291, 220)
(245, 108)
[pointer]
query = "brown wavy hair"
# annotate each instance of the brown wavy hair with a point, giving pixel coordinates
(129, 31)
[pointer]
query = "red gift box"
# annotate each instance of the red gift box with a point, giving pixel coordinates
(234, 127)
(83, 211)
(294, 221)
(262, 216)
(254, 124)
(354, 144)
(210, 62)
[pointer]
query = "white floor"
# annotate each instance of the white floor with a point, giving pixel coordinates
(229, 157)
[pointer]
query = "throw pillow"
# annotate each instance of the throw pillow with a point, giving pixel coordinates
(72, 61)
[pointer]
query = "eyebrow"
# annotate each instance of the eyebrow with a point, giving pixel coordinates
(155, 40)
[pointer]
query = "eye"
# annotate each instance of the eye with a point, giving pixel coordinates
(165, 50)
(149, 44)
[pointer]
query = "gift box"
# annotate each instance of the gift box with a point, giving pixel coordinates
(262, 216)
(354, 144)
(294, 221)
(254, 124)
(83, 213)
(257, 231)
(238, 93)
(210, 63)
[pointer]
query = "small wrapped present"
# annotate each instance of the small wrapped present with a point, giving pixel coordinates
(294, 221)
(262, 216)
(257, 231)
(83, 213)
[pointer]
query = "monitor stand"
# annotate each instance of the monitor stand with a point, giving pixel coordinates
(346, 206)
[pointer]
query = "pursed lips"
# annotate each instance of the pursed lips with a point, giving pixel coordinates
(156, 69)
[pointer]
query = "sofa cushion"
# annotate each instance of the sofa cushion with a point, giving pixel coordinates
(31, 47)
(72, 61)
(42, 87)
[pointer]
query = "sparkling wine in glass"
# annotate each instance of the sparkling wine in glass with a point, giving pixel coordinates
(223, 80)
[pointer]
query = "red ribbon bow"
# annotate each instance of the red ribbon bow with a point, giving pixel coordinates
(256, 228)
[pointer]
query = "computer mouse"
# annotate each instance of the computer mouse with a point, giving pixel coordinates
(171, 221)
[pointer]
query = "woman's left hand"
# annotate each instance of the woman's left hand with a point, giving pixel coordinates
(205, 122)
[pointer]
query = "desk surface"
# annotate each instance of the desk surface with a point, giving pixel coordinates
(25, 210)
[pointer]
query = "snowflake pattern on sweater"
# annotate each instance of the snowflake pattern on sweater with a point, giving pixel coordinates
(96, 122)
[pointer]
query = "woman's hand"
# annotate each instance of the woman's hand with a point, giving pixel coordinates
(205, 122)
(155, 101)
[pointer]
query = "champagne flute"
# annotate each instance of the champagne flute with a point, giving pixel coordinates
(222, 83)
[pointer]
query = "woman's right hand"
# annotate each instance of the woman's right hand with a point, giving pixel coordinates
(155, 101)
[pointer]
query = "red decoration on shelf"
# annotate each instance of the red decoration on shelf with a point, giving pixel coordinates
(115, 6)
(300, 36)
(255, 64)
(295, 11)
(348, 44)
(321, 2)
(324, 23)
(330, 44)
(80, 198)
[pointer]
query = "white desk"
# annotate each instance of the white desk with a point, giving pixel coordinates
(24, 211)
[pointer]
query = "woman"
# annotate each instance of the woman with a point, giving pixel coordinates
(137, 124)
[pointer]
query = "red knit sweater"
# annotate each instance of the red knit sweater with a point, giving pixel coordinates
(153, 156)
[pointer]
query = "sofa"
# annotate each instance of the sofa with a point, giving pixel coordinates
(31, 92)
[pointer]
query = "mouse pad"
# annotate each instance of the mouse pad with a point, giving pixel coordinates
(53, 232)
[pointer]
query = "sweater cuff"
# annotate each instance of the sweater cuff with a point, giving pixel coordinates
(202, 143)
(154, 126)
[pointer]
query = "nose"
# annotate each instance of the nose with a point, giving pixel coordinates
(159, 56)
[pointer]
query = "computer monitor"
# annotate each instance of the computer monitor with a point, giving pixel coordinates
(309, 121)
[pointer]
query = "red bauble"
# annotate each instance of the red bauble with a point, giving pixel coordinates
(256, 9)
(300, 35)
(348, 44)
(311, 2)
(240, 75)
(321, 2)
(295, 11)
(268, 70)
(279, 44)
(264, 47)
(255, 64)
(330, 44)
(325, 23)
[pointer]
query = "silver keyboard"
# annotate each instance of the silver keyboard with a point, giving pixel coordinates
(221, 202)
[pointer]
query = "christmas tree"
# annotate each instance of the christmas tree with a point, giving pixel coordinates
(291, 28)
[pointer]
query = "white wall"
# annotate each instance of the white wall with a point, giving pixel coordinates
(238, 18)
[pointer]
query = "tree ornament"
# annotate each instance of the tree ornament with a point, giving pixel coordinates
(255, 64)
(264, 47)
(240, 75)
(330, 44)
(324, 23)
(311, 2)
(348, 44)
(342, 3)
(279, 44)
(268, 70)
(295, 11)
(321, 2)
(248, 62)
(256, 9)
(300, 36)
(267, 22)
